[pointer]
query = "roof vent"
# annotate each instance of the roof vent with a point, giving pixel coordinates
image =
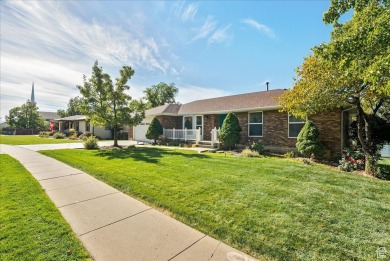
(267, 83)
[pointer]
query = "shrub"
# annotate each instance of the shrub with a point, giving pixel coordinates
(352, 159)
(59, 135)
(229, 134)
(44, 134)
(71, 132)
(257, 146)
(308, 141)
(155, 130)
(73, 137)
(85, 135)
(250, 153)
(289, 155)
(91, 143)
(163, 140)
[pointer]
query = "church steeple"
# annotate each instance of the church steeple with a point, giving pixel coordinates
(32, 94)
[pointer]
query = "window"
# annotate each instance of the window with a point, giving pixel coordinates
(188, 122)
(255, 124)
(295, 125)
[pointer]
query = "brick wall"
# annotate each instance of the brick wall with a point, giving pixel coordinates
(210, 121)
(170, 122)
(329, 126)
(275, 130)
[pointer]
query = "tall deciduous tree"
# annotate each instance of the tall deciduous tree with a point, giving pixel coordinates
(160, 94)
(352, 70)
(74, 107)
(25, 117)
(107, 104)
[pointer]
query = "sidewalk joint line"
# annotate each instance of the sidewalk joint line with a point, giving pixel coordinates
(88, 199)
(215, 250)
(115, 222)
(49, 170)
(69, 186)
(204, 235)
(58, 176)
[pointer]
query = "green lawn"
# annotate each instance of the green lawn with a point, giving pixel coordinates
(31, 139)
(270, 208)
(31, 227)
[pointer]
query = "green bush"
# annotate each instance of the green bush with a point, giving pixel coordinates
(84, 136)
(155, 130)
(257, 146)
(250, 153)
(308, 141)
(289, 154)
(352, 159)
(59, 135)
(91, 143)
(229, 134)
(44, 134)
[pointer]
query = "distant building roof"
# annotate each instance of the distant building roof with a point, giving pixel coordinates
(164, 109)
(235, 103)
(47, 115)
(73, 118)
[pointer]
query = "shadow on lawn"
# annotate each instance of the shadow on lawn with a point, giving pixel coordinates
(384, 171)
(150, 155)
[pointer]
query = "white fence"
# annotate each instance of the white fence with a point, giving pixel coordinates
(214, 136)
(190, 134)
(183, 134)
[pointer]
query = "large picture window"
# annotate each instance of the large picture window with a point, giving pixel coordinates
(255, 124)
(295, 125)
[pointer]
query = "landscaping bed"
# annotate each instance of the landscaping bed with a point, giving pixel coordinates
(268, 207)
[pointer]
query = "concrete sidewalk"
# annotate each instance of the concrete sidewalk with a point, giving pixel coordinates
(114, 226)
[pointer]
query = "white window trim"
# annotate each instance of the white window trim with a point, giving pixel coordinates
(262, 122)
(288, 125)
(194, 124)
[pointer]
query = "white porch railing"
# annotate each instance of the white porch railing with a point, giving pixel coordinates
(214, 136)
(183, 134)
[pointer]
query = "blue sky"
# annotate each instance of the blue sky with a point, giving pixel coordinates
(207, 48)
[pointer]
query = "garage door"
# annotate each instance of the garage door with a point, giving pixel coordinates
(140, 132)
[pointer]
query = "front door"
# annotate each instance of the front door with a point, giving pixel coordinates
(199, 124)
(221, 119)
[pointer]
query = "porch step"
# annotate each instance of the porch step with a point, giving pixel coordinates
(205, 144)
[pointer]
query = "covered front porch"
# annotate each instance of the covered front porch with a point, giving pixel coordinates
(191, 135)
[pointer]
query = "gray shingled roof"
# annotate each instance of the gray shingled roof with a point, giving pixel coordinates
(48, 115)
(239, 102)
(73, 118)
(164, 109)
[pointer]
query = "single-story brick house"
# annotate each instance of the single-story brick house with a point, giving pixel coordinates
(81, 124)
(259, 117)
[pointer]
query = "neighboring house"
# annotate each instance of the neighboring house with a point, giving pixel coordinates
(259, 117)
(48, 116)
(80, 123)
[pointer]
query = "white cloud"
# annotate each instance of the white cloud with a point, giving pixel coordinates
(190, 12)
(260, 27)
(47, 43)
(204, 31)
(220, 35)
(191, 93)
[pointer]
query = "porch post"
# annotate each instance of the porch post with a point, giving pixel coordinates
(173, 133)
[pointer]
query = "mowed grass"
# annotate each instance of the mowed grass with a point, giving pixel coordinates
(30, 140)
(31, 227)
(270, 208)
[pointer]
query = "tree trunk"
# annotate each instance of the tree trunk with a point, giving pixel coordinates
(365, 138)
(371, 168)
(116, 136)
